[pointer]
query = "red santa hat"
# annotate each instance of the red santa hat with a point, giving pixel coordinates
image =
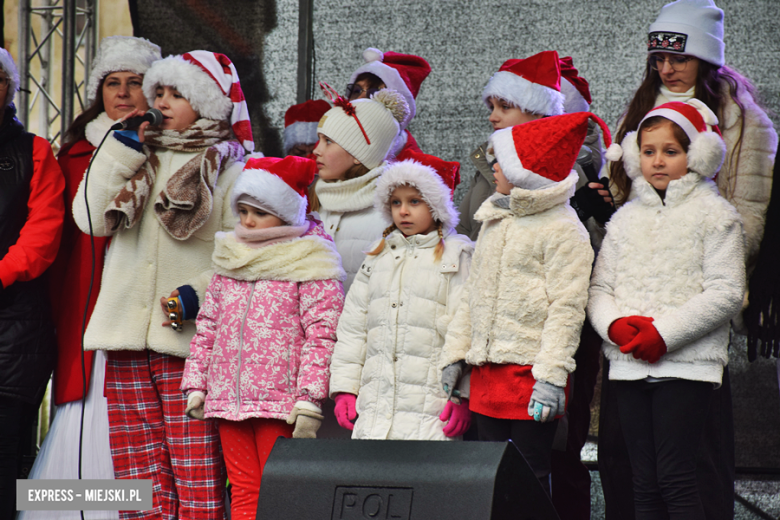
(542, 152)
(707, 150)
(403, 73)
(300, 122)
(532, 84)
(575, 89)
(209, 82)
(435, 187)
(449, 171)
(278, 185)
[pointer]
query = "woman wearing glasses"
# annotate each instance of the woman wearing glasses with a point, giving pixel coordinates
(686, 60)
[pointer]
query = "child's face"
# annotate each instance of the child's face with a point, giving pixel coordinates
(410, 212)
(123, 93)
(662, 158)
(253, 218)
(177, 111)
(504, 115)
(332, 160)
(503, 186)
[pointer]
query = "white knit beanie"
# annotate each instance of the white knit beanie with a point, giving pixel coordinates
(120, 53)
(368, 134)
(9, 67)
(690, 27)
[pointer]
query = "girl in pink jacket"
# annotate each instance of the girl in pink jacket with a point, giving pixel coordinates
(259, 362)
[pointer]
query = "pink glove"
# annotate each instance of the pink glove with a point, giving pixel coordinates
(345, 410)
(459, 417)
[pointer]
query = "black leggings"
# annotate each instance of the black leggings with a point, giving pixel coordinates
(662, 423)
(533, 439)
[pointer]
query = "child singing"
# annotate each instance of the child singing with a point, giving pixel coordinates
(385, 377)
(668, 279)
(265, 332)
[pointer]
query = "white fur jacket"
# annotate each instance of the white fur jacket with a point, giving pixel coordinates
(679, 261)
(391, 333)
(145, 262)
(525, 300)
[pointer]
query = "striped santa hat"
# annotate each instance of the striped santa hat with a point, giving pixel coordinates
(209, 81)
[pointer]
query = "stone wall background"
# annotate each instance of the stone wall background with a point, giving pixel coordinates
(466, 41)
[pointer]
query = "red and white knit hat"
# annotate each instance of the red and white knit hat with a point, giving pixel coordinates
(403, 73)
(532, 84)
(120, 53)
(209, 81)
(707, 150)
(575, 89)
(278, 185)
(432, 185)
(542, 152)
(300, 122)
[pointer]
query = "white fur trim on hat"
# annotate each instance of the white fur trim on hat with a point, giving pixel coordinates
(203, 93)
(572, 99)
(9, 67)
(527, 96)
(120, 53)
(631, 159)
(503, 145)
(273, 193)
(430, 185)
(300, 132)
(389, 76)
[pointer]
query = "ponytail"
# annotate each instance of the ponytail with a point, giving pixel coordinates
(439, 251)
(381, 246)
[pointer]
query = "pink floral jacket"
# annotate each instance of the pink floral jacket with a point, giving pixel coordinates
(267, 327)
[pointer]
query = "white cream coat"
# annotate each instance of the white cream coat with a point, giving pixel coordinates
(349, 217)
(144, 262)
(391, 333)
(525, 301)
(681, 262)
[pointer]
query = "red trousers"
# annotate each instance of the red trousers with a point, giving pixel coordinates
(247, 445)
(151, 438)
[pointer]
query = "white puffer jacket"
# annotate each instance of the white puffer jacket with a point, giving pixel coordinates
(679, 261)
(348, 215)
(525, 301)
(391, 333)
(145, 262)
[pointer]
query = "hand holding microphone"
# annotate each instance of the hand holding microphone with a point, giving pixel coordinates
(152, 117)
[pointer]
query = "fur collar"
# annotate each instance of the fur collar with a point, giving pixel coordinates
(455, 244)
(303, 259)
(677, 192)
(524, 202)
(352, 195)
(97, 128)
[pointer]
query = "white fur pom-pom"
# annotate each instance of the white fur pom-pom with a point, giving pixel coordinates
(631, 160)
(708, 115)
(394, 102)
(614, 152)
(706, 154)
(373, 54)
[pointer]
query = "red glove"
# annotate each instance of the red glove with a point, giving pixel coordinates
(345, 411)
(622, 331)
(459, 417)
(648, 344)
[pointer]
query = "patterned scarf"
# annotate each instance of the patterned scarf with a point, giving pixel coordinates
(184, 205)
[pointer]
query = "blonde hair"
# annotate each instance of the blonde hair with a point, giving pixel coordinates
(437, 253)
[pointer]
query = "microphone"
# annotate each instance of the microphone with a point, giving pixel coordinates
(152, 115)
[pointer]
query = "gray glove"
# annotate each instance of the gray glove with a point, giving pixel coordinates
(307, 422)
(450, 377)
(546, 402)
(195, 406)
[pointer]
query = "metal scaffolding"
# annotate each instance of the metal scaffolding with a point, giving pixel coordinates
(63, 32)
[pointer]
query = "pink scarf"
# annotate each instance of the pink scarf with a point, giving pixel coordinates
(257, 238)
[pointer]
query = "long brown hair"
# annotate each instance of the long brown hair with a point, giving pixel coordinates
(76, 130)
(355, 171)
(709, 89)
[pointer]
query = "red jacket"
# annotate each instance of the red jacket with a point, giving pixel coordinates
(69, 280)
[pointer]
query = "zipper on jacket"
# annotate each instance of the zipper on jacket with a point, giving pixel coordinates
(241, 349)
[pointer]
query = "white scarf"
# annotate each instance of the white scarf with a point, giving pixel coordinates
(352, 195)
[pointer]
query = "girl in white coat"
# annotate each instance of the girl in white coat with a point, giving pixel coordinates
(354, 139)
(384, 372)
(668, 279)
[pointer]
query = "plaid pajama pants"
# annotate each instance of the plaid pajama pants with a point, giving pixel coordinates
(151, 438)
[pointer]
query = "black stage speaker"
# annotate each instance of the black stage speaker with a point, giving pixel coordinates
(400, 480)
